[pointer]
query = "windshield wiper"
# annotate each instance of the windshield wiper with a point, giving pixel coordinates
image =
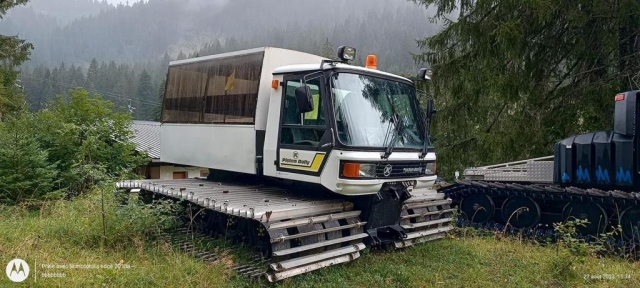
(425, 148)
(395, 119)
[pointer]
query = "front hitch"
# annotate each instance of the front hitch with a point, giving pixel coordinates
(386, 235)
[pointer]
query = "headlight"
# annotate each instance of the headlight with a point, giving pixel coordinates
(358, 170)
(346, 53)
(430, 169)
(367, 170)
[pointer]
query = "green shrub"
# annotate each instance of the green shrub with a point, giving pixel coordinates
(65, 149)
(573, 250)
(80, 221)
(26, 172)
(88, 139)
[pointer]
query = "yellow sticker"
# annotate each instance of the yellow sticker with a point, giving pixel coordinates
(315, 165)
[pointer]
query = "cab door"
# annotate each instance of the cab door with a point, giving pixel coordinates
(304, 138)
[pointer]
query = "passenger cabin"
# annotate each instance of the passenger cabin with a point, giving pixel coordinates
(215, 108)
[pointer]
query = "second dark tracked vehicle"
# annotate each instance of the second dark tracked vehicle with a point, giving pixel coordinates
(593, 176)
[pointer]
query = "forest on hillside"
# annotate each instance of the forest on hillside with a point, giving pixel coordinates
(510, 78)
(122, 51)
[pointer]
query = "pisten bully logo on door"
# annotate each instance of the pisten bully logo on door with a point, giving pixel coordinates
(295, 159)
(301, 159)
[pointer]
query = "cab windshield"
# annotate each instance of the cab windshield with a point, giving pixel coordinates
(365, 107)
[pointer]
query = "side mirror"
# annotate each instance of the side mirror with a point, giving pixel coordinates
(304, 99)
(431, 108)
(425, 74)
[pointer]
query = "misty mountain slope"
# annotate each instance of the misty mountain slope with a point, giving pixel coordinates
(65, 11)
(122, 52)
(144, 31)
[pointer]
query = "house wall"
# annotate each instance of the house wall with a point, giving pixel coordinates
(167, 172)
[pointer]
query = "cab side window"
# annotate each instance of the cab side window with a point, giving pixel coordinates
(302, 129)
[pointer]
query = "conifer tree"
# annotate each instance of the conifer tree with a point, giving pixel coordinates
(513, 77)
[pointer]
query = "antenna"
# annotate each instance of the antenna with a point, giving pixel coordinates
(130, 107)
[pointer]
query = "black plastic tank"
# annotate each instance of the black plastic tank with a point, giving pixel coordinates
(564, 161)
(624, 117)
(604, 171)
(624, 128)
(624, 167)
(584, 158)
(605, 159)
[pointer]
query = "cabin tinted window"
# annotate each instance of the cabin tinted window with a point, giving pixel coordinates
(302, 129)
(215, 91)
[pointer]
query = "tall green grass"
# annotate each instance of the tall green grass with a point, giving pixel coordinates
(71, 232)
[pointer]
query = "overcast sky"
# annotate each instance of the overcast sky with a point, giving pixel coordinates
(121, 1)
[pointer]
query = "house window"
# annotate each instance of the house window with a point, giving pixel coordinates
(179, 175)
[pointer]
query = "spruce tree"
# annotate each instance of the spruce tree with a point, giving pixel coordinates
(25, 171)
(327, 50)
(92, 75)
(146, 95)
(513, 77)
(13, 52)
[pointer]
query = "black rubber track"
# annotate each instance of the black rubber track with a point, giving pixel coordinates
(552, 200)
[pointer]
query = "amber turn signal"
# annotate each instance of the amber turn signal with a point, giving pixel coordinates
(351, 170)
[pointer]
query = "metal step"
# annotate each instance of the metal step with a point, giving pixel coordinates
(277, 276)
(440, 212)
(297, 266)
(427, 223)
(319, 244)
(422, 236)
(297, 262)
(313, 220)
(425, 197)
(427, 204)
(300, 235)
(421, 213)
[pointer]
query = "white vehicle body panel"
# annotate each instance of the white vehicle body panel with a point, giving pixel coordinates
(217, 146)
(330, 175)
(224, 146)
(330, 179)
(271, 139)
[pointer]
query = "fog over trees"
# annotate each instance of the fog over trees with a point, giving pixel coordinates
(120, 44)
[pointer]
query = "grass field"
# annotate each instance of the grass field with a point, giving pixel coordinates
(68, 233)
